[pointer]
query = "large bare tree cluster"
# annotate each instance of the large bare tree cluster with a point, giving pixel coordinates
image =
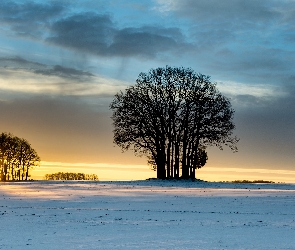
(172, 115)
(17, 157)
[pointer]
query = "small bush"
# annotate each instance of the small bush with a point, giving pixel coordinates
(71, 176)
(255, 181)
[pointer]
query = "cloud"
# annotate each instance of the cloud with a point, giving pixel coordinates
(246, 12)
(20, 81)
(256, 59)
(88, 32)
(268, 123)
(18, 62)
(64, 72)
(13, 11)
(97, 34)
(245, 95)
(85, 31)
(147, 41)
(215, 23)
(22, 76)
(29, 18)
(257, 34)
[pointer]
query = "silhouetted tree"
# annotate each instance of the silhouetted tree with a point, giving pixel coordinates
(71, 176)
(17, 157)
(172, 115)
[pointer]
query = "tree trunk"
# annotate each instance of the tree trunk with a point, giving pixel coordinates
(176, 155)
(27, 173)
(12, 172)
(168, 155)
(185, 169)
(171, 164)
(5, 172)
(193, 173)
(161, 173)
(2, 168)
(188, 158)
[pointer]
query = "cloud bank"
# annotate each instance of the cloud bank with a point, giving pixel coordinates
(87, 31)
(23, 76)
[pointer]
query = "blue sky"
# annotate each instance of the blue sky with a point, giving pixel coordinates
(61, 62)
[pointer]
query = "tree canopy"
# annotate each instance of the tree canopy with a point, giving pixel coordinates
(17, 157)
(172, 115)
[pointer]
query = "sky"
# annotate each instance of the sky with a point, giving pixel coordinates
(62, 62)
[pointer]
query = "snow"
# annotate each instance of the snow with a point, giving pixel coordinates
(146, 215)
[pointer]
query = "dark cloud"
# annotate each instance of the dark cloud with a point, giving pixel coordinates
(269, 121)
(237, 13)
(258, 33)
(97, 34)
(216, 23)
(87, 31)
(255, 65)
(147, 41)
(238, 17)
(13, 11)
(64, 72)
(249, 100)
(29, 18)
(17, 63)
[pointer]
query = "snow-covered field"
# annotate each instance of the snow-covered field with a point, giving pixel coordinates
(146, 215)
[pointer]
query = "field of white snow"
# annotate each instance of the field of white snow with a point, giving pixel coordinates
(146, 215)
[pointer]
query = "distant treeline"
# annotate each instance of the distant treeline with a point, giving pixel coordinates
(71, 176)
(256, 181)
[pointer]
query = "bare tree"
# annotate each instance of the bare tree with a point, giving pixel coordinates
(172, 115)
(17, 157)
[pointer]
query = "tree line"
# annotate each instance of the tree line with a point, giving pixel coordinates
(17, 158)
(171, 115)
(71, 176)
